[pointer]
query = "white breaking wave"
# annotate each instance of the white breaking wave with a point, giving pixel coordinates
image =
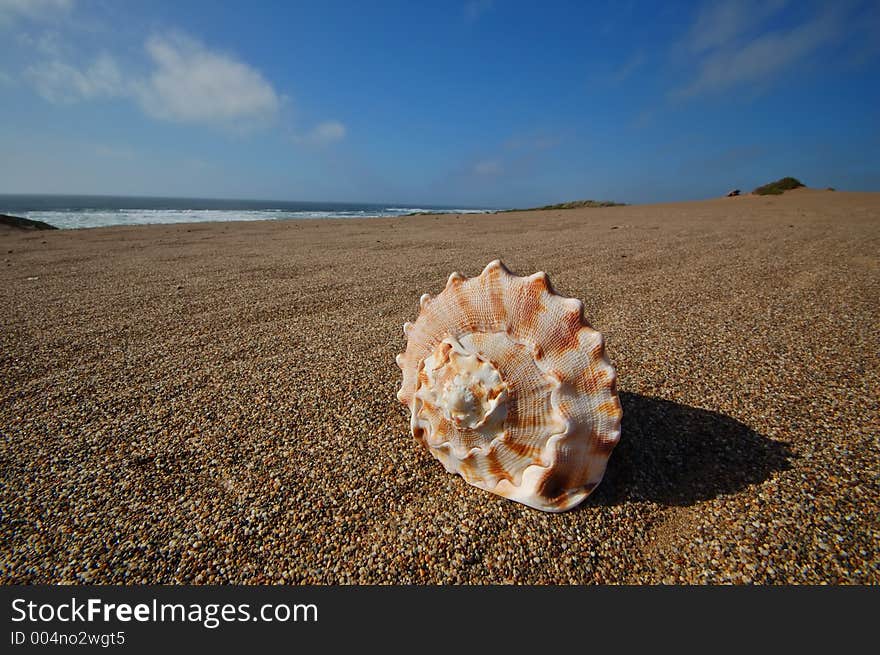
(71, 219)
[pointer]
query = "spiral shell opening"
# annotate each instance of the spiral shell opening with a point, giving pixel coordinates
(508, 386)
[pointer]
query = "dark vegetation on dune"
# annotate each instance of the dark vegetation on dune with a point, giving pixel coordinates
(24, 223)
(574, 204)
(778, 187)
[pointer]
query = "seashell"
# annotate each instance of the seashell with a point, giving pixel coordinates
(508, 386)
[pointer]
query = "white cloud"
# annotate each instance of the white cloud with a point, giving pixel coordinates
(720, 22)
(11, 10)
(321, 134)
(183, 82)
(62, 83)
(46, 43)
(514, 156)
(188, 83)
(488, 167)
(192, 84)
(327, 132)
(760, 58)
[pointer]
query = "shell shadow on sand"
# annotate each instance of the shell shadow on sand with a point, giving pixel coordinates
(673, 454)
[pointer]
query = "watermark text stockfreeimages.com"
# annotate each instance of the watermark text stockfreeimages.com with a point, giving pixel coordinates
(209, 615)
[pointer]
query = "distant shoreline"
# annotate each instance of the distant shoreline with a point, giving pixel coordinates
(88, 218)
(69, 212)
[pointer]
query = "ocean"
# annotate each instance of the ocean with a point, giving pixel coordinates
(68, 212)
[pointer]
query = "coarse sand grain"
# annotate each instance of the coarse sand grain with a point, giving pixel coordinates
(210, 403)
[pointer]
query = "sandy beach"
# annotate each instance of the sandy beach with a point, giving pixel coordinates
(216, 402)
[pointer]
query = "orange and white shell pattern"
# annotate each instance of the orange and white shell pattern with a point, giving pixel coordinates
(510, 387)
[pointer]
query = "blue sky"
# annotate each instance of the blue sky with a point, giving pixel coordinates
(486, 103)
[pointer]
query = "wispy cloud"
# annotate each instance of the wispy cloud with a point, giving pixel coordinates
(46, 43)
(729, 60)
(12, 10)
(474, 9)
(514, 155)
(628, 67)
(192, 84)
(61, 83)
(323, 134)
(488, 168)
(722, 21)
